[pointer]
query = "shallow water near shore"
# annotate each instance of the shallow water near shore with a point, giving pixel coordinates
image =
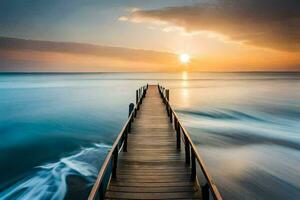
(57, 128)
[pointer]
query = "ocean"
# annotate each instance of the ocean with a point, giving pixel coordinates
(55, 129)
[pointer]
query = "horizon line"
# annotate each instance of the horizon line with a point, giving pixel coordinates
(138, 72)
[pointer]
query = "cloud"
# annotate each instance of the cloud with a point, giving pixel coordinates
(123, 18)
(121, 53)
(32, 55)
(266, 23)
(14, 49)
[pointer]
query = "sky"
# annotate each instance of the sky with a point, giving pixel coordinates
(149, 36)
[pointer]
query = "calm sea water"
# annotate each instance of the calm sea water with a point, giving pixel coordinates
(55, 129)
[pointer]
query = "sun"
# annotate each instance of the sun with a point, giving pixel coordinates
(184, 58)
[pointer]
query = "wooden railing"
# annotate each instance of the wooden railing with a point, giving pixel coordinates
(209, 188)
(109, 166)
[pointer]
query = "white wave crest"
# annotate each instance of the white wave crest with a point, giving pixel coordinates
(49, 180)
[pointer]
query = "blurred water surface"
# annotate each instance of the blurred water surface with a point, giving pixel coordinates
(55, 129)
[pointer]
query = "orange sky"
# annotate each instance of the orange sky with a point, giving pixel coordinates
(232, 36)
(234, 59)
(30, 55)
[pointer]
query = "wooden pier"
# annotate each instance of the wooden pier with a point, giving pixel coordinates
(153, 157)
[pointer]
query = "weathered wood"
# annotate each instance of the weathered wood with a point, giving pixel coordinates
(152, 189)
(144, 185)
(154, 195)
(152, 167)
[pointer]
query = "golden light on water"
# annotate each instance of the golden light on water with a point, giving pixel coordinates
(185, 75)
(184, 58)
(185, 95)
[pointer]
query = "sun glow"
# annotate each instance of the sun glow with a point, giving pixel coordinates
(184, 58)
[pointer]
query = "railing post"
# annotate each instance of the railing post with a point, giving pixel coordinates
(205, 191)
(115, 162)
(136, 96)
(129, 126)
(171, 115)
(141, 95)
(178, 135)
(135, 112)
(193, 174)
(125, 140)
(139, 91)
(187, 150)
(101, 192)
(144, 91)
(167, 108)
(168, 94)
(160, 91)
(131, 106)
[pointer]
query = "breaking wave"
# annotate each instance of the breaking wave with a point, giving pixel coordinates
(49, 181)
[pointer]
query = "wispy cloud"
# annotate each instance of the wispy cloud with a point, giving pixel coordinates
(32, 55)
(14, 49)
(265, 23)
(88, 49)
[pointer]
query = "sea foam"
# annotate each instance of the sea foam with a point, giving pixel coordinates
(49, 181)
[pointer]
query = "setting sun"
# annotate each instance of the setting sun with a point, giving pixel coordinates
(184, 58)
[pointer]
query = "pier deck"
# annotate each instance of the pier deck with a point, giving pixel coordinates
(153, 156)
(152, 168)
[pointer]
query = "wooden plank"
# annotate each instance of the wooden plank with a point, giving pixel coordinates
(152, 189)
(154, 195)
(169, 177)
(169, 184)
(152, 173)
(152, 167)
